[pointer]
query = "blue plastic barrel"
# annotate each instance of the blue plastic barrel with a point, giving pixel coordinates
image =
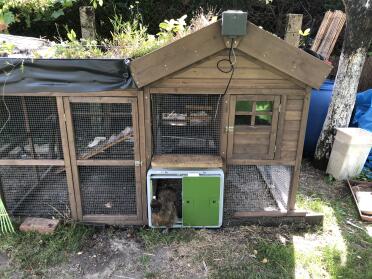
(319, 103)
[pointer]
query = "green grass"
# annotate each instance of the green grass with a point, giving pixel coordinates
(33, 251)
(153, 238)
(345, 250)
(249, 260)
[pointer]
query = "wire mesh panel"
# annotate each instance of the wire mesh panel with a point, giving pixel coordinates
(278, 179)
(103, 131)
(186, 124)
(35, 191)
(30, 128)
(108, 190)
(256, 188)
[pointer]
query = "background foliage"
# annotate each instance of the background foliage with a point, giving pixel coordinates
(44, 17)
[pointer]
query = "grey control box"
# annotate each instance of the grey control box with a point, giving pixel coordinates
(234, 23)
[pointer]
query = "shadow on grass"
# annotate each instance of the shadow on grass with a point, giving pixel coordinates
(345, 250)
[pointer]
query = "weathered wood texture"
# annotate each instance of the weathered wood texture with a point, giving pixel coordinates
(258, 44)
(186, 161)
(328, 33)
(294, 25)
(204, 76)
(87, 22)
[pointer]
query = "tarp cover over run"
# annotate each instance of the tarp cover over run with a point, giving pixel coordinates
(19, 75)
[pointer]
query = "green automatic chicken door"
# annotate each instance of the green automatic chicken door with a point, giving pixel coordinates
(184, 198)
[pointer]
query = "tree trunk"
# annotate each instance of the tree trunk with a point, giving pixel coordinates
(358, 37)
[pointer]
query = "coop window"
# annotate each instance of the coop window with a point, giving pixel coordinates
(186, 124)
(253, 113)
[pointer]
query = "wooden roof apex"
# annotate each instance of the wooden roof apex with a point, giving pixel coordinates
(207, 41)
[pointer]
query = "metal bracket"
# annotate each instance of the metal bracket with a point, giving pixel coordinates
(229, 129)
(138, 163)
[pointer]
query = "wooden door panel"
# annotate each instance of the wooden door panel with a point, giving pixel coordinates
(253, 124)
(107, 183)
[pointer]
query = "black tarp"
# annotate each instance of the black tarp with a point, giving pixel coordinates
(19, 75)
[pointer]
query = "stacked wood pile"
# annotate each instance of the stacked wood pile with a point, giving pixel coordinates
(328, 33)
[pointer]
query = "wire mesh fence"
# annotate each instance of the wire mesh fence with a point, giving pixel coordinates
(35, 191)
(256, 188)
(186, 124)
(103, 131)
(108, 190)
(30, 128)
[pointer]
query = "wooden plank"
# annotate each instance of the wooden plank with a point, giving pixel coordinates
(292, 126)
(66, 156)
(113, 93)
(102, 100)
(274, 126)
(230, 136)
(321, 31)
(291, 136)
(142, 146)
(294, 25)
(231, 91)
(8, 162)
(113, 219)
(269, 213)
(213, 72)
(250, 150)
(186, 161)
(244, 129)
(137, 157)
(177, 55)
(252, 138)
(74, 167)
(148, 127)
(337, 21)
(254, 98)
(123, 163)
(224, 123)
(280, 131)
(221, 83)
(244, 161)
(293, 115)
(288, 155)
(289, 145)
(286, 58)
(296, 173)
(294, 105)
(241, 62)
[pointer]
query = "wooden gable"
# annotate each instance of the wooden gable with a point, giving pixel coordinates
(258, 44)
(249, 73)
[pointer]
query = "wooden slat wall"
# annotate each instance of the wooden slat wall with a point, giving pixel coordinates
(248, 74)
(292, 126)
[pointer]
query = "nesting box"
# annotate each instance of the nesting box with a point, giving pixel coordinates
(199, 195)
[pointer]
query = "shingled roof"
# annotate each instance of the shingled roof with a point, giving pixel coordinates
(207, 41)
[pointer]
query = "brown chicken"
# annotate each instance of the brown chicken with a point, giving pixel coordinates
(164, 211)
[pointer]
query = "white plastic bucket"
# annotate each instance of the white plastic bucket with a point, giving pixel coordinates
(349, 153)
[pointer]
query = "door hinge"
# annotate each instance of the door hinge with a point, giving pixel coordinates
(274, 148)
(229, 129)
(138, 163)
(64, 117)
(280, 107)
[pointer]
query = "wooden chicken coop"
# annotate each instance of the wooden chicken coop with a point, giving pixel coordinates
(85, 154)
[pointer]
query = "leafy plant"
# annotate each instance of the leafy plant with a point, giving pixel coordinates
(12, 11)
(304, 37)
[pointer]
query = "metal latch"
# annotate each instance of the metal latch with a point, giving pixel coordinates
(229, 129)
(138, 163)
